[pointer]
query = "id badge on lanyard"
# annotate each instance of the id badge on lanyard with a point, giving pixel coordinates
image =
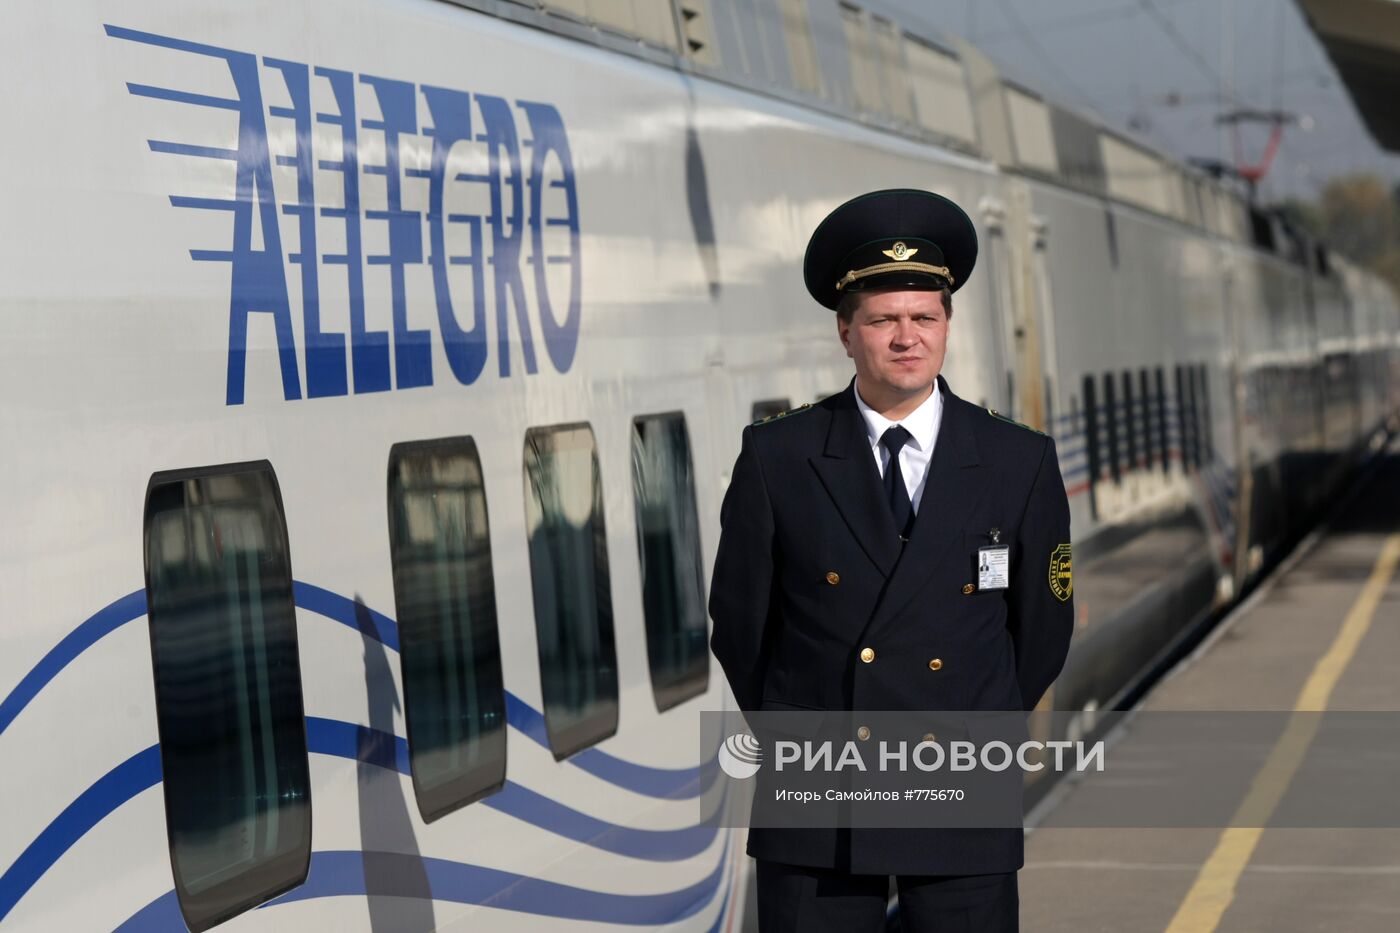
(994, 565)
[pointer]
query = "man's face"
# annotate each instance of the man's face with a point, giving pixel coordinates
(897, 339)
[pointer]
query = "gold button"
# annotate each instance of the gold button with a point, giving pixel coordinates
(863, 733)
(833, 577)
(867, 655)
(968, 588)
(935, 664)
(929, 737)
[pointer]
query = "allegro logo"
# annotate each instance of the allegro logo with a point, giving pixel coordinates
(360, 195)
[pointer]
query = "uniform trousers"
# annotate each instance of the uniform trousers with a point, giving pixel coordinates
(795, 898)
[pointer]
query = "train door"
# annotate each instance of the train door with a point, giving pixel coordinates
(996, 254)
(1239, 395)
(1016, 247)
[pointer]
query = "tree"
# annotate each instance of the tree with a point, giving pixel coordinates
(1358, 217)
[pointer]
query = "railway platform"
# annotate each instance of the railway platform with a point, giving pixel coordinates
(1323, 633)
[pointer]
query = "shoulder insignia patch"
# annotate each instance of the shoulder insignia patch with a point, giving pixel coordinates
(1000, 417)
(783, 414)
(1061, 573)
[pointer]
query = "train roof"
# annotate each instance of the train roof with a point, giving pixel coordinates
(862, 61)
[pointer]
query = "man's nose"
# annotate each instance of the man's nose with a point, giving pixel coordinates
(904, 333)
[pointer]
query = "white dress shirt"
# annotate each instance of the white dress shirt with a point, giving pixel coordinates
(914, 457)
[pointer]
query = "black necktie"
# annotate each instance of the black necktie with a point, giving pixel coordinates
(893, 440)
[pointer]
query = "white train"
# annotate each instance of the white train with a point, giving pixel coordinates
(370, 372)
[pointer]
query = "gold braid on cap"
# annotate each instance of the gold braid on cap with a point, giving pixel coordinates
(856, 275)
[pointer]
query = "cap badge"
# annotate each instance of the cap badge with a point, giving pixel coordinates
(899, 252)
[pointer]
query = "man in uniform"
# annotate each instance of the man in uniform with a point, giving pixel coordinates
(892, 547)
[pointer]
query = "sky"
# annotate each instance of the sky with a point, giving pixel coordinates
(1155, 67)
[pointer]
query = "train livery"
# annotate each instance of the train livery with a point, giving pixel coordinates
(369, 380)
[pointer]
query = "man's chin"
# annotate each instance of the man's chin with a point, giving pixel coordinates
(911, 384)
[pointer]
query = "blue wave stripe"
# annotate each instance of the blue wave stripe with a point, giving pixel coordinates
(342, 874)
(666, 783)
(357, 616)
(663, 783)
(350, 740)
(358, 743)
(102, 623)
(656, 845)
(138, 773)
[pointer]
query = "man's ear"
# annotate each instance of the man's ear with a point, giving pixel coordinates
(843, 330)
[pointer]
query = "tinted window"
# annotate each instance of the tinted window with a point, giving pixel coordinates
(1130, 446)
(569, 577)
(1185, 424)
(1077, 149)
(454, 697)
(668, 545)
(228, 688)
(1112, 416)
(1091, 437)
(1163, 439)
(1149, 436)
(1205, 450)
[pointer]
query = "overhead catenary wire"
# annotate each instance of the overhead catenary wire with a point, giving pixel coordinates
(1168, 28)
(1014, 17)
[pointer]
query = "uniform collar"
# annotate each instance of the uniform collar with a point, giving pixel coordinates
(921, 423)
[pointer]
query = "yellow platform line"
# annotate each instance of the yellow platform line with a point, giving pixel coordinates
(1214, 888)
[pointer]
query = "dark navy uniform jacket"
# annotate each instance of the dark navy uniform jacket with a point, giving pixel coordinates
(811, 571)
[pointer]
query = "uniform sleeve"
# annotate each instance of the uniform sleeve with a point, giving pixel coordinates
(1041, 606)
(741, 588)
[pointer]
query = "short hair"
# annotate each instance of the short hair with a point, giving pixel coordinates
(846, 307)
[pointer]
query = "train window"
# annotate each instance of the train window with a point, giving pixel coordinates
(1205, 449)
(1195, 201)
(617, 15)
(1210, 207)
(668, 546)
(770, 406)
(1112, 417)
(699, 33)
(742, 31)
(1030, 128)
(1321, 260)
(1149, 452)
(1175, 183)
(802, 50)
(1261, 230)
(1185, 425)
(454, 696)
(656, 23)
(648, 20)
(941, 99)
(1077, 150)
(1134, 175)
(1234, 216)
(889, 54)
(1130, 423)
(228, 688)
(1163, 439)
(572, 590)
(1091, 437)
(865, 70)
